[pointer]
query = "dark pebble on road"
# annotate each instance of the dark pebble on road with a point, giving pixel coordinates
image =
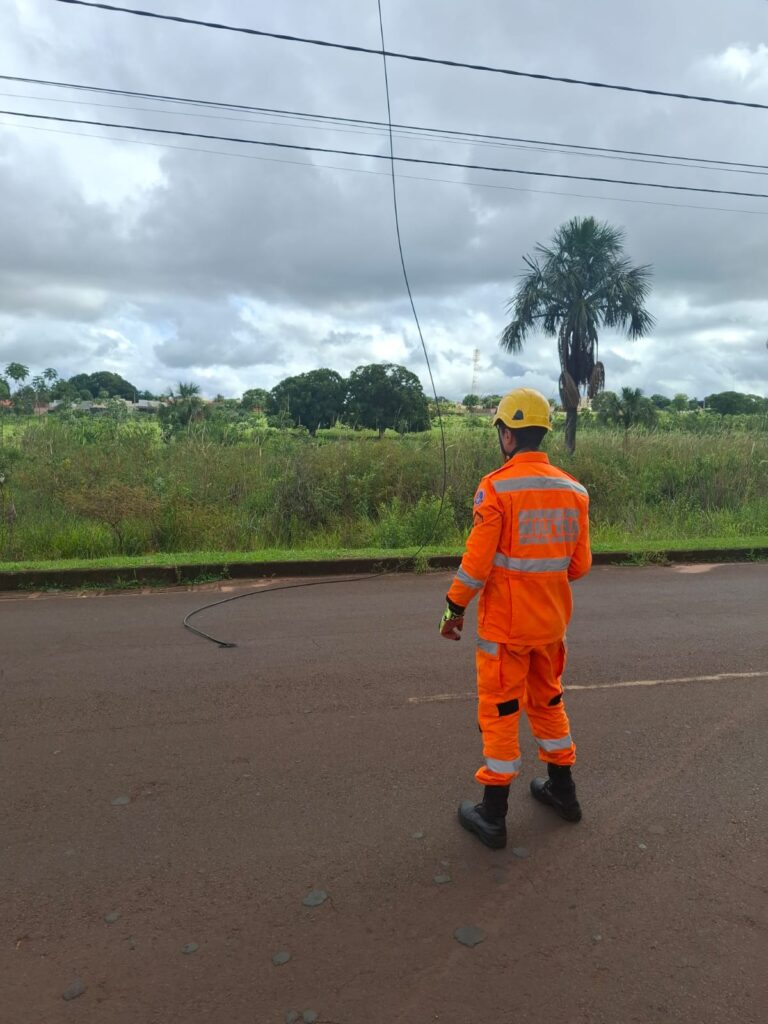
(469, 935)
(315, 898)
(75, 989)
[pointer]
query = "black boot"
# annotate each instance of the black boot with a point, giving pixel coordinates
(558, 791)
(487, 819)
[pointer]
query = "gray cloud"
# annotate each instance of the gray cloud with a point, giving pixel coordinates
(205, 334)
(617, 364)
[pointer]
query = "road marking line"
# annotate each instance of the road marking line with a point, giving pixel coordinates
(723, 677)
(436, 697)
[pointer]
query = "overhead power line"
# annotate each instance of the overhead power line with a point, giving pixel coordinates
(323, 123)
(380, 156)
(420, 58)
(407, 283)
(465, 183)
(434, 132)
(413, 557)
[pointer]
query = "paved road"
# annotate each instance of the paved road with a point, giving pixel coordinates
(313, 756)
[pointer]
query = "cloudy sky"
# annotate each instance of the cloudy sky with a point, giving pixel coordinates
(168, 259)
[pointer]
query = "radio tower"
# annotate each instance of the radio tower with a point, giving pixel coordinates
(475, 369)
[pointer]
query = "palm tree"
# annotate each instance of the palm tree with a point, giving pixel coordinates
(629, 409)
(187, 402)
(18, 372)
(581, 282)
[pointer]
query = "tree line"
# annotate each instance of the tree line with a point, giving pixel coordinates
(378, 396)
(630, 407)
(48, 386)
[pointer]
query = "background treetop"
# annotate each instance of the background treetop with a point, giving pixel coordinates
(313, 400)
(386, 395)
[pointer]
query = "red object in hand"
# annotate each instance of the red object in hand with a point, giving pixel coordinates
(451, 624)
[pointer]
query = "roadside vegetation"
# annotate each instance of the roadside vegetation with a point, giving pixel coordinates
(111, 487)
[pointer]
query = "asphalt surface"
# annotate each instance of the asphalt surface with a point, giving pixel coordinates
(328, 751)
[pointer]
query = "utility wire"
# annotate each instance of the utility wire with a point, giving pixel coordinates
(381, 156)
(366, 170)
(427, 135)
(408, 283)
(444, 487)
(461, 136)
(286, 37)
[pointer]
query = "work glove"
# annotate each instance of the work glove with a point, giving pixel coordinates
(452, 621)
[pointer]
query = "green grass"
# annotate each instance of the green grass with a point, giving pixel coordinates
(630, 545)
(107, 494)
(224, 558)
(636, 545)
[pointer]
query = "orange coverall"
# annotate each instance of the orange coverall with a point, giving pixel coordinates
(529, 540)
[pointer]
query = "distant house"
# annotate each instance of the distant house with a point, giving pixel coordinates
(476, 410)
(94, 408)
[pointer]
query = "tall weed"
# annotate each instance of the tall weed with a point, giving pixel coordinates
(89, 488)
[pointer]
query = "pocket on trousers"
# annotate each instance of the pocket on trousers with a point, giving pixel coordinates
(488, 663)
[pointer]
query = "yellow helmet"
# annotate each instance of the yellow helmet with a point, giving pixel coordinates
(523, 407)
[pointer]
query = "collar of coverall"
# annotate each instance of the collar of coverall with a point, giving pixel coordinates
(529, 457)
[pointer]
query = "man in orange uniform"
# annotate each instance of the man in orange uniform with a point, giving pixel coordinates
(530, 538)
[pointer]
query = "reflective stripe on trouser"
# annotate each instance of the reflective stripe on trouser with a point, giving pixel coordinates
(514, 679)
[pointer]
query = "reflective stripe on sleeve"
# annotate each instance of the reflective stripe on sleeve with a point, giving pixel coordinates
(564, 743)
(469, 581)
(504, 767)
(531, 564)
(488, 646)
(539, 483)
